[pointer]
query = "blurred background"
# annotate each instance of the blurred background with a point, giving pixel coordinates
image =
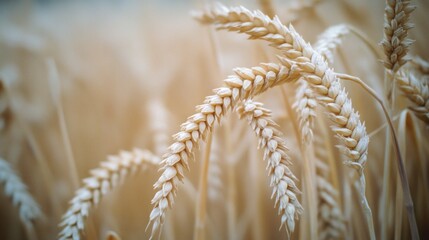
(85, 79)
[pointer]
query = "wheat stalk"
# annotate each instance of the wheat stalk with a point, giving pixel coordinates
(275, 152)
(102, 180)
(245, 83)
(15, 188)
(396, 25)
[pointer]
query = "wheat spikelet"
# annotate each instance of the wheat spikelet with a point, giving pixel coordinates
(303, 60)
(14, 188)
(417, 92)
(396, 26)
(275, 152)
(102, 180)
(245, 83)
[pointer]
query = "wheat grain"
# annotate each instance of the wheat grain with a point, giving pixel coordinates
(245, 83)
(102, 180)
(275, 152)
(15, 188)
(396, 25)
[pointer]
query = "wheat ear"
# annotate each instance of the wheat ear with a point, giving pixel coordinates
(102, 180)
(275, 152)
(305, 103)
(417, 92)
(396, 25)
(303, 60)
(14, 188)
(245, 83)
(307, 62)
(326, 45)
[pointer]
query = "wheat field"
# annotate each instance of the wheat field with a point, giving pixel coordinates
(263, 119)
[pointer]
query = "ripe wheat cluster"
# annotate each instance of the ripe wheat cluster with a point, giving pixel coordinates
(332, 133)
